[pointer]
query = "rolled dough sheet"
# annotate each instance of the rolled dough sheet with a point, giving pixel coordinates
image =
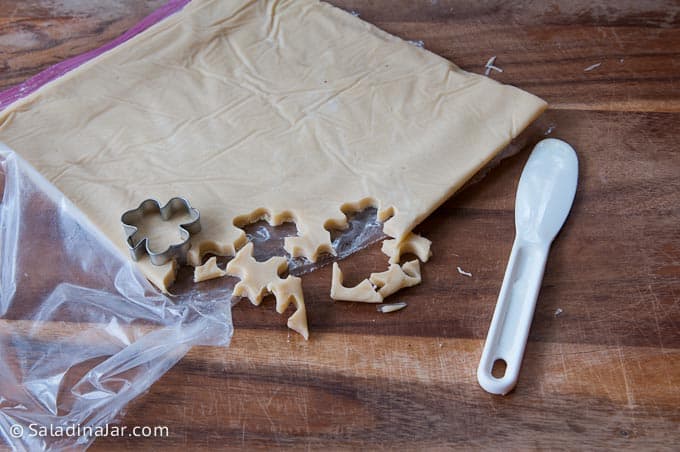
(295, 109)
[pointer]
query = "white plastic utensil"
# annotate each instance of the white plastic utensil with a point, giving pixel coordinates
(544, 197)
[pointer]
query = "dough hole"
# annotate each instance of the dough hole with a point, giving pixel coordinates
(268, 240)
(364, 221)
(184, 280)
(406, 257)
(261, 214)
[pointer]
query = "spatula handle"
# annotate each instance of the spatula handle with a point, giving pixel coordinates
(512, 317)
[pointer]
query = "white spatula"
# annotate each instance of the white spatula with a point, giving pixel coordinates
(544, 197)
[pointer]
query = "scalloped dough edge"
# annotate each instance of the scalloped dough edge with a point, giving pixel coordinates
(412, 243)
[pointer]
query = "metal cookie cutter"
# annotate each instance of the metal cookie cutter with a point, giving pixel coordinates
(140, 247)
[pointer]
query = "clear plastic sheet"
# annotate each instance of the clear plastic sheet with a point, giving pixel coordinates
(83, 332)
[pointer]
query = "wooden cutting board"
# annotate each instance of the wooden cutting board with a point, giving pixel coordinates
(602, 367)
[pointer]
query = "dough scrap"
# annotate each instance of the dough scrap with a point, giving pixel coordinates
(261, 278)
(207, 271)
(255, 276)
(412, 243)
(396, 277)
(363, 292)
(296, 108)
(289, 291)
(392, 307)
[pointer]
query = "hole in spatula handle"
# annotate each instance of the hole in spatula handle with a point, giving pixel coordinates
(498, 369)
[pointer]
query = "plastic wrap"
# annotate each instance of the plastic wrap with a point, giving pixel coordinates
(83, 332)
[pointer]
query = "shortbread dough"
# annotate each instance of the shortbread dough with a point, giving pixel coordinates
(396, 277)
(254, 275)
(412, 243)
(292, 109)
(289, 291)
(208, 271)
(363, 292)
(261, 278)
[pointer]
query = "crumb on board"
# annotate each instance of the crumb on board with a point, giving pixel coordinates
(558, 312)
(549, 130)
(391, 307)
(463, 272)
(490, 66)
(592, 67)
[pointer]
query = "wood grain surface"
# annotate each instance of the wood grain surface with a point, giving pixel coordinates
(605, 373)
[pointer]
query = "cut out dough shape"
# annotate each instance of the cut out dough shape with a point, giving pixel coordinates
(255, 276)
(261, 278)
(396, 277)
(289, 291)
(413, 243)
(363, 292)
(295, 107)
(209, 270)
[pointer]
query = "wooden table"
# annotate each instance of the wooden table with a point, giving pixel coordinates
(603, 373)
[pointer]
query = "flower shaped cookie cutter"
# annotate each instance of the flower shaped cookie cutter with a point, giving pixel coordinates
(140, 246)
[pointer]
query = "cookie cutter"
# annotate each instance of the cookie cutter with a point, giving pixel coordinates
(140, 247)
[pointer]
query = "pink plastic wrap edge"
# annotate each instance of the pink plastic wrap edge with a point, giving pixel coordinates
(25, 88)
